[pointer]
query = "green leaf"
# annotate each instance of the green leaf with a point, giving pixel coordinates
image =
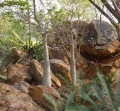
(107, 89)
(99, 94)
(77, 108)
(118, 91)
(51, 101)
(67, 82)
(16, 43)
(62, 94)
(86, 97)
(69, 100)
(119, 108)
(3, 77)
(18, 37)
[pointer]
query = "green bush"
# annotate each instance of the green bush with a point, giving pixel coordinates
(97, 95)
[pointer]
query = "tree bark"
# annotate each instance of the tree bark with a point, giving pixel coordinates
(46, 72)
(72, 62)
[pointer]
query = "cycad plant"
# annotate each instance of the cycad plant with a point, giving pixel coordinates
(27, 45)
(99, 95)
(5, 60)
(107, 98)
(69, 100)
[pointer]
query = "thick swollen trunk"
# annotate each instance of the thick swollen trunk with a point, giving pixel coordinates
(46, 72)
(72, 64)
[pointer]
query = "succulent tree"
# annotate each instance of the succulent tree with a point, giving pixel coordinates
(46, 74)
(44, 33)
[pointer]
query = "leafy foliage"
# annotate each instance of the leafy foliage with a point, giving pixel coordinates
(5, 60)
(13, 2)
(97, 95)
(103, 93)
(51, 101)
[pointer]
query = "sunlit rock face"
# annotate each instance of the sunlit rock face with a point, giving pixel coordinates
(101, 39)
(36, 92)
(36, 71)
(12, 99)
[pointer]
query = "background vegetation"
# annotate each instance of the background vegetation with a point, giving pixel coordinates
(27, 24)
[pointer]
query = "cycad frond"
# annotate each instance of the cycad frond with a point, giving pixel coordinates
(108, 89)
(70, 99)
(118, 89)
(86, 97)
(67, 82)
(51, 100)
(77, 108)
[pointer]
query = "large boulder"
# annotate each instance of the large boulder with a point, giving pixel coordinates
(56, 53)
(12, 99)
(101, 40)
(36, 71)
(58, 67)
(97, 42)
(36, 92)
(17, 73)
(16, 54)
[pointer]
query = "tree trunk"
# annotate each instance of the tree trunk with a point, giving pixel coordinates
(72, 63)
(46, 72)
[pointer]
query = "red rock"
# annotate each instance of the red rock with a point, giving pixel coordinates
(22, 86)
(36, 92)
(58, 54)
(36, 71)
(16, 74)
(58, 67)
(14, 100)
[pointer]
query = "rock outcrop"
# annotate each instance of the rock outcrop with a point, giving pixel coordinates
(17, 74)
(97, 41)
(58, 67)
(36, 92)
(36, 71)
(101, 39)
(58, 54)
(12, 99)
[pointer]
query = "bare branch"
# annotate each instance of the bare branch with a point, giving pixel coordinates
(109, 7)
(115, 6)
(105, 14)
(34, 8)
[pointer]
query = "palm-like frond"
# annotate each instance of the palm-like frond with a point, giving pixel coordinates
(77, 108)
(100, 96)
(51, 101)
(87, 98)
(118, 90)
(5, 60)
(67, 82)
(108, 89)
(18, 37)
(69, 99)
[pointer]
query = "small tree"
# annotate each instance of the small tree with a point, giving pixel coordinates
(67, 34)
(43, 28)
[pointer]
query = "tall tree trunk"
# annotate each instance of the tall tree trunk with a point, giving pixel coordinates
(72, 63)
(46, 72)
(29, 29)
